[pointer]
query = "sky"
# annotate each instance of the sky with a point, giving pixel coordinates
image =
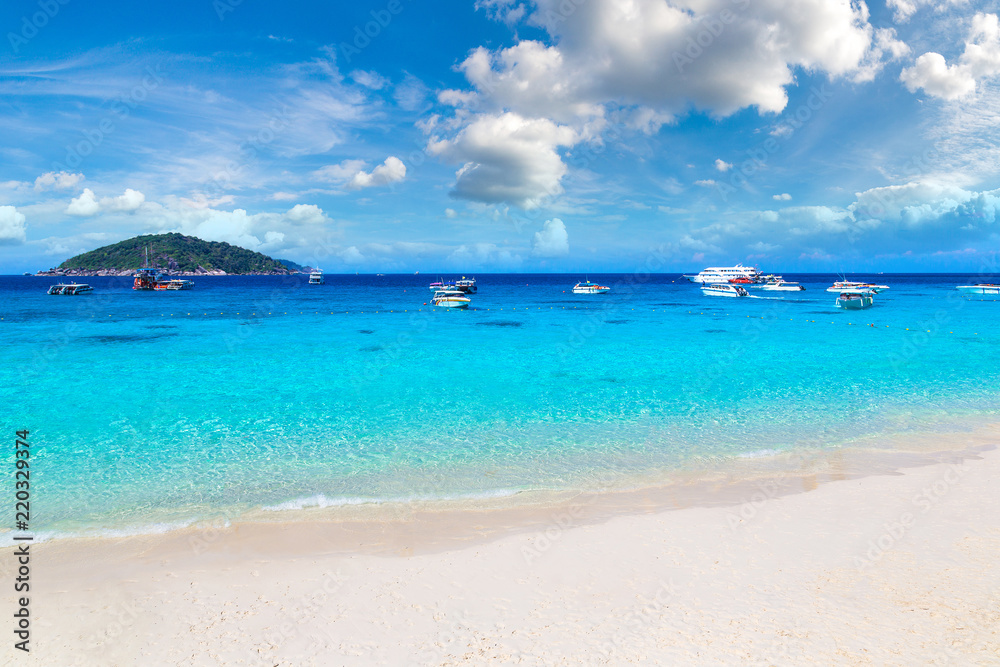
(507, 135)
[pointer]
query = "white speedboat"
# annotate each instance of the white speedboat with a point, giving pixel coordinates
(716, 275)
(981, 288)
(316, 277)
(451, 299)
(71, 289)
(724, 290)
(588, 287)
(855, 300)
(842, 285)
(174, 284)
(782, 286)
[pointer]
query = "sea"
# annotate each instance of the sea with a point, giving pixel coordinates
(253, 396)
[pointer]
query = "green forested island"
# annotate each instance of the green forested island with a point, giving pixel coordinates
(173, 253)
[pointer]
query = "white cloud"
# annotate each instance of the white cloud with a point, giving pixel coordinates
(128, 202)
(552, 240)
(411, 94)
(391, 171)
(705, 183)
(507, 158)
(903, 10)
(980, 60)
(273, 239)
(284, 196)
(782, 197)
(718, 55)
(450, 213)
(352, 255)
(339, 172)
(933, 74)
(722, 165)
(307, 214)
(62, 180)
(11, 226)
(85, 205)
(371, 80)
(508, 11)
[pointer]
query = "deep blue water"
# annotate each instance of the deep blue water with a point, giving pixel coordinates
(249, 392)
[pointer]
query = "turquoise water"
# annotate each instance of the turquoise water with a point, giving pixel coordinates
(158, 409)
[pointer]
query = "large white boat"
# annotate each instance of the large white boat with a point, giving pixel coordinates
(981, 288)
(855, 300)
(724, 290)
(723, 274)
(842, 285)
(71, 289)
(781, 286)
(450, 299)
(316, 277)
(590, 288)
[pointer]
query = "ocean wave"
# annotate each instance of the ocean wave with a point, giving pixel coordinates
(759, 454)
(321, 501)
(7, 539)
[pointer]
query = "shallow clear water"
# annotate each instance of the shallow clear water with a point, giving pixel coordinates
(250, 392)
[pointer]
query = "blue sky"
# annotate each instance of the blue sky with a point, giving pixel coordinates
(505, 135)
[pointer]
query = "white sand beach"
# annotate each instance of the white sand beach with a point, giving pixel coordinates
(892, 568)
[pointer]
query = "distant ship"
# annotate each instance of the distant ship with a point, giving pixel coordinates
(316, 277)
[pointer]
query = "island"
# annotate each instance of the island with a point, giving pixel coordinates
(173, 254)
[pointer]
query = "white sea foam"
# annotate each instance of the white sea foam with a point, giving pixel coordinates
(321, 501)
(759, 454)
(7, 539)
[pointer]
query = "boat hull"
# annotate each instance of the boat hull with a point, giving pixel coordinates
(979, 289)
(856, 302)
(452, 303)
(724, 290)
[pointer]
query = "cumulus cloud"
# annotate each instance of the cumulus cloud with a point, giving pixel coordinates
(705, 183)
(552, 240)
(980, 60)
(507, 158)
(339, 172)
(718, 55)
(128, 202)
(11, 226)
(307, 214)
(62, 180)
(391, 171)
(85, 205)
(641, 63)
(722, 165)
(784, 196)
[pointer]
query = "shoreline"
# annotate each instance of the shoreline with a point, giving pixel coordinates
(722, 482)
(893, 567)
